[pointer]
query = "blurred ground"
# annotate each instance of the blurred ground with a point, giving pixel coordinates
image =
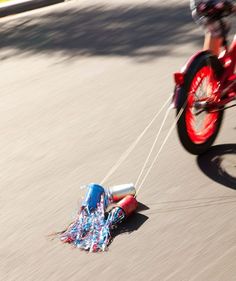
(13, 7)
(79, 82)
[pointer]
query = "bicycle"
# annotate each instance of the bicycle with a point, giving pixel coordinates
(203, 89)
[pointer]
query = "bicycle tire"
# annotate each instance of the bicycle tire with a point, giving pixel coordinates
(199, 142)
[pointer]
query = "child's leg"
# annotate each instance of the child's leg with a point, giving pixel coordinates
(212, 43)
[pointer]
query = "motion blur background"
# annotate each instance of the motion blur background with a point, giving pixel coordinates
(79, 82)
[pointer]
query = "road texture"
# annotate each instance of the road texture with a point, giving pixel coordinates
(79, 83)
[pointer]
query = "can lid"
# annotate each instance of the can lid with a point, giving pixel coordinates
(129, 204)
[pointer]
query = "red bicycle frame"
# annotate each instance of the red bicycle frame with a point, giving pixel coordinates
(227, 81)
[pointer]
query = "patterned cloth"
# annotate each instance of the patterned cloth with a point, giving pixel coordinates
(211, 24)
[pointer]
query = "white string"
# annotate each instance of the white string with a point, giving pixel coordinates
(153, 145)
(159, 151)
(133, 145)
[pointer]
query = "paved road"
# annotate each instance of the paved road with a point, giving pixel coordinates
(79, 83)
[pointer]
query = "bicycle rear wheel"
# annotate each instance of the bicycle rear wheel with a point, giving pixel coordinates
(198, 129)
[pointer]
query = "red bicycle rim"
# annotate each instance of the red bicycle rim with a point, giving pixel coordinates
(200, 131)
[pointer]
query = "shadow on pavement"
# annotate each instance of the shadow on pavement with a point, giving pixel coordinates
(131, 224)
(145, 32)
(219, 163)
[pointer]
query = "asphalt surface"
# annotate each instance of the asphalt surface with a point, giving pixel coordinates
(79, 83)
(14, 7)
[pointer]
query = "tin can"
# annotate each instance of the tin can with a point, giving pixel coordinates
(116, 216)
(93, 196)
(118, 192)
(128, 204)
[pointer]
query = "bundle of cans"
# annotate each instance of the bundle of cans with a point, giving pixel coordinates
(101, 212)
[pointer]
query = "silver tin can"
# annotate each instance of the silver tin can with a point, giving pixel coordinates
(118, 192)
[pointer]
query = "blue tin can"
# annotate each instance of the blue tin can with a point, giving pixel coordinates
(93, 196)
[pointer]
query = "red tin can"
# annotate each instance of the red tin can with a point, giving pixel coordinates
(128, 204)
